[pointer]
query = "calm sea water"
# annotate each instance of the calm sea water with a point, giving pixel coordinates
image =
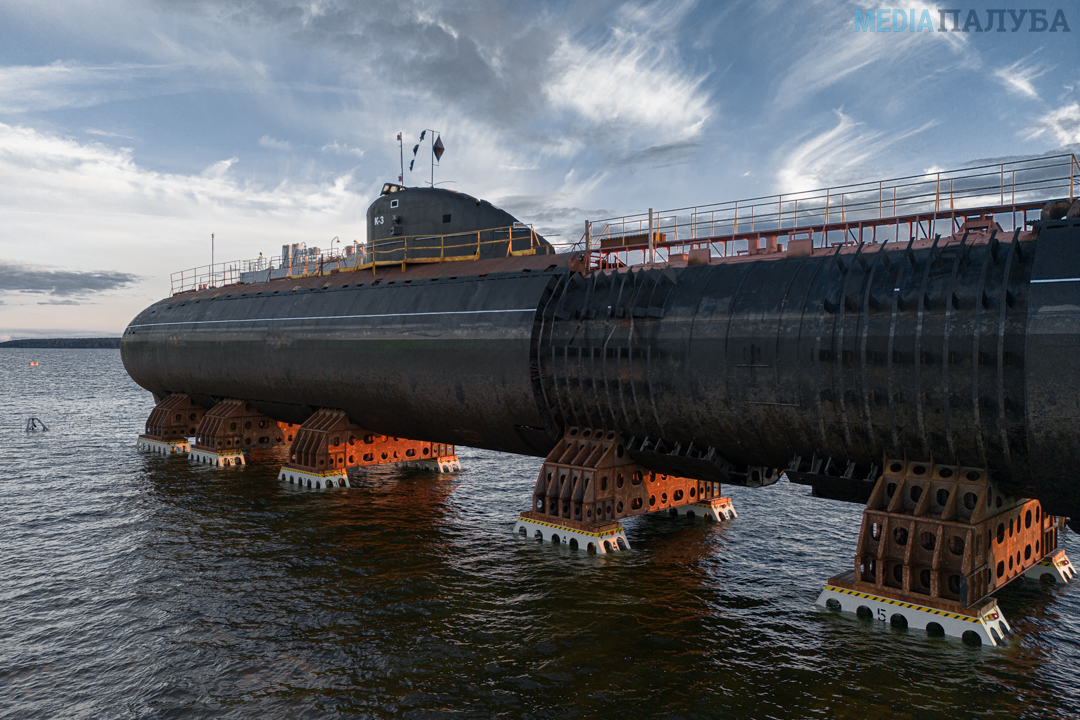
(137, 586)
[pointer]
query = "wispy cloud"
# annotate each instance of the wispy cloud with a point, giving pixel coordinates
(268, 142)
(835, 156)
(341, 149)
(1018, 78)
(1063, 125)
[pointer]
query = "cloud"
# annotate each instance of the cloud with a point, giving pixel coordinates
(833, 56)
(1017, 78)
(62, 302)
(633, 79)
(340, 149)
(33, 278)
(665, 155)
(268, 142)
(1063, 125)
(838, 155)
(103, 133)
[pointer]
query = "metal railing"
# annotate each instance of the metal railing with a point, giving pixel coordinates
(929, 196)
(391, 251)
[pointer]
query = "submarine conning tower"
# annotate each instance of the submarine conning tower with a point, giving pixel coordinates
(909, 345)
(428, 223)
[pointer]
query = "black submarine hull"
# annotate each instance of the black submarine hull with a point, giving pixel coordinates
(961, 352)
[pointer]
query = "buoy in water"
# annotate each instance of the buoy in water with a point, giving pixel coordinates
(33, 363)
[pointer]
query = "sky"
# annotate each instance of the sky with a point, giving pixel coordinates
(132, 131)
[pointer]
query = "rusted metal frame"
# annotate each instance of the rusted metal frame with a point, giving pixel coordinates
(878, 257)
(921, 311)
(976, 333)
(950, 293)
(1013, 251)
(839, 325)
(897, 285)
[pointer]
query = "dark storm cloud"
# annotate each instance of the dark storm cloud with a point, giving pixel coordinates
(25, 277)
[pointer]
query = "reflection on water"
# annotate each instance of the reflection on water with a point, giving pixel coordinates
(140, 586)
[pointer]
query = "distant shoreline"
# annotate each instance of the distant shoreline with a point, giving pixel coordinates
(106, 343)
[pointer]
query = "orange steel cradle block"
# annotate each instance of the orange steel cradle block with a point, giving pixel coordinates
(170, 423)
(589, 481)
(935, 542)
(230, 428)
(328, 443)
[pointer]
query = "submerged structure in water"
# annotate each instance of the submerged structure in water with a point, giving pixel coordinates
(911, 345)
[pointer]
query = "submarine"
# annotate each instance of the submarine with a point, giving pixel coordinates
(934, 379)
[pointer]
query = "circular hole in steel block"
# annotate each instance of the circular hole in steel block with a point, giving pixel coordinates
(352, 459)
(956, 545)
(586, 433)
(896, 467)
(864, 613)
(918, 470)
(973, 475)
(942, 497)
(1027, 519)
(945, 472)
(618, 481)
(935, 630)
(833, 604)
(898, 573)
(900, 535)
(677, 495)
(620, 450)
(927, 540)
(971, 638)
(663, 497)
(969, 500)
(636, 503)
(693, 492)
(999, 501)
(652, 500)
(603, 482)
(954, 584)
(890, 489)
(1001, 532)
(247, 425)
(384, 456)
(619, 507)
(924, 578)
(875, 531)
(1027, 552)
(573, 432)
(898, 621)
(635, 478)
(915, 493)
(588, 513)
(1011, 527)
(1001, 568)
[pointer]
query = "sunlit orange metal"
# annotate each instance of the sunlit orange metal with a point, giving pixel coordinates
(235, 425)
